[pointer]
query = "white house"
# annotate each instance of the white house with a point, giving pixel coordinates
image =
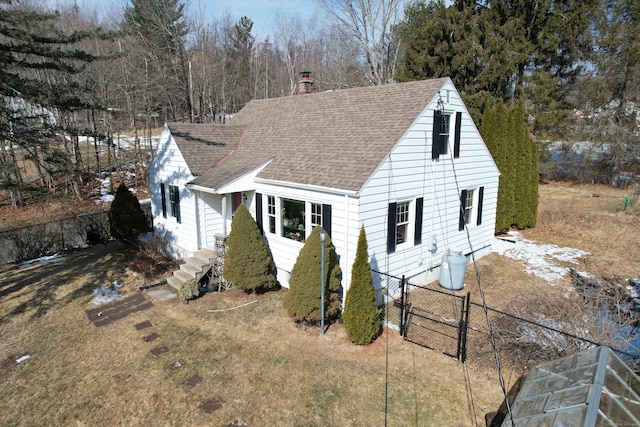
(405, 160)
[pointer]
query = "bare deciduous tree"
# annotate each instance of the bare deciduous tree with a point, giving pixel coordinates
(370, 23)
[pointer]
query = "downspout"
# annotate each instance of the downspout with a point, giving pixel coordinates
(346, 251)
(198, 231)
(224, 215)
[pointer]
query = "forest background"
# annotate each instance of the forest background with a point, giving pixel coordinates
(85, 80)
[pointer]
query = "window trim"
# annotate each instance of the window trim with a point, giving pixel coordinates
(441, 142)
(413, 233)
(474, 218)
(272, 218)
(322, 212)
(174, 202)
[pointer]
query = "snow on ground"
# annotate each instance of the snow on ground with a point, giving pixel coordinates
(104, 294)
(39, 260)
(541, 259)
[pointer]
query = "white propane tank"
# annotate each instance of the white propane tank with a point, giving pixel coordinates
(453, 268)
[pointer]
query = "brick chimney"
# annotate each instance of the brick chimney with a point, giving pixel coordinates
(305, 85)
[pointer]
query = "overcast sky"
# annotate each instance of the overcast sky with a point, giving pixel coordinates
(261, 12)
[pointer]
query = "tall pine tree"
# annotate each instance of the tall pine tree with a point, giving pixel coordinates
(37, 64)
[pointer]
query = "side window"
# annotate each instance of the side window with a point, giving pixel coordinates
(174, 202)
(445, 131)
(163, 195)
(271, 213)
(402, 222)
(471, 201)
(316, 215)
(468, 207)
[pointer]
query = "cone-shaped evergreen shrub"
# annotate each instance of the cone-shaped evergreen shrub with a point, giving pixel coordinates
(248, 263)
(126, 218)
(505, 133)
(302, 302)
(361, 314)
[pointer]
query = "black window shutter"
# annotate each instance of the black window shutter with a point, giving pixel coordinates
(391, 228)
(456, 143)
(177, 199)
(326, 218)
(417, 235)
(164, 200)
(463, 199)
(435, 137)
(259, 211)
(480, 198)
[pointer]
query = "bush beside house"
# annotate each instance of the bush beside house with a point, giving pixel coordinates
(361, 314)
(302, 301)
(126, 218)
(248, 264)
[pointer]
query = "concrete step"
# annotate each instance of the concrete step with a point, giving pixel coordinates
(182, 276)
(197, 262)
(205, 255)
(195, 271)
(174, 282)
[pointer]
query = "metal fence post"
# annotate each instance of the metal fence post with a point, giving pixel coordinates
(402, 326)
(464, 329)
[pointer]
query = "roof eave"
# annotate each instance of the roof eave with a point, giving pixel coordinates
(308, 187)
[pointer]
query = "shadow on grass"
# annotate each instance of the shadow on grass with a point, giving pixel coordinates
(40, 288)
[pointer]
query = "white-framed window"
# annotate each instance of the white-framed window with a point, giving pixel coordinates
(402, 222)
(471, 201)
(404, 227)
(445, 132)
(291, 218)
(469, 206)
(316, 215)
(174, 202)
(271, 214)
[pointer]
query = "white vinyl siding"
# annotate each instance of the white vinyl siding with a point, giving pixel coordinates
(409, 173)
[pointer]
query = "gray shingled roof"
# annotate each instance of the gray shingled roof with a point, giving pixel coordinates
(202, 146)
(329, 139)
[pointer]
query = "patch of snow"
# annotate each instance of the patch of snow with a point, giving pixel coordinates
(541, 259)
(39, 260)
(105, 294)
(23, 358)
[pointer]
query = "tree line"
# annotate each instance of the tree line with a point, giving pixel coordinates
(81, 80)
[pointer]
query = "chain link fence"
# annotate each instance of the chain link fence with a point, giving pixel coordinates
(449, 322)
(37, 240)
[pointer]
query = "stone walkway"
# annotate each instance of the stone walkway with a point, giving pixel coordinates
(108, 313)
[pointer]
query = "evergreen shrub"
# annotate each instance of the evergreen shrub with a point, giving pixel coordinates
(248, 263)
(361, 314)
(126, 218)
(189, 290)
(302, 301)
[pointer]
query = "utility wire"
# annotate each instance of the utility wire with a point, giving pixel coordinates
(484, 302)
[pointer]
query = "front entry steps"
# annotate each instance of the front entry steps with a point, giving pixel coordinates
(193, 268)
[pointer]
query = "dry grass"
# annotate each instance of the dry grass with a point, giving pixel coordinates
(266, 370)
(586, 217)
